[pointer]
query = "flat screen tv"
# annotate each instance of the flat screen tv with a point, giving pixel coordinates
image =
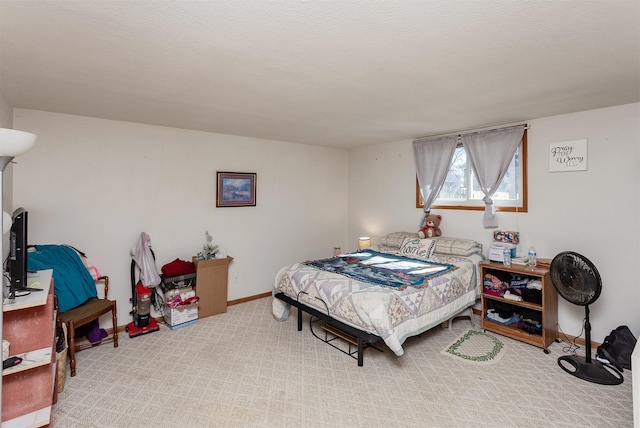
(18, 252)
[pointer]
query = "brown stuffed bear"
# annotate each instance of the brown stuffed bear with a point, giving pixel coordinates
(431, 226)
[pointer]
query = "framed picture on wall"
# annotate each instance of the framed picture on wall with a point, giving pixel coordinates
(236, 189)
(568, 156)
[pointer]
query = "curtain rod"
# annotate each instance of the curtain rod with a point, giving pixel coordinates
(471, 131)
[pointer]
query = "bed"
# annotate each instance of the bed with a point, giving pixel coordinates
(400, 288)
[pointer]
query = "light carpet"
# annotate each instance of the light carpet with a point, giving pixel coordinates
(244, 369)
(476, 347)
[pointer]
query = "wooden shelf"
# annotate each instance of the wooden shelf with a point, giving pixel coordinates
(39, 418)
(548, 308)
(530, 305)
(30, 360)
(28, 389)
(40, 280)
(514, 332)
(535, 271)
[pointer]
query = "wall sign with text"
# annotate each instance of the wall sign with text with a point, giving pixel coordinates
(568, 156)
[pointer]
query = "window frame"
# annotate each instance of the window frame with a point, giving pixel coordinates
(522, 209)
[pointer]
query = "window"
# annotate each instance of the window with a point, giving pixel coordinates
(461, 190)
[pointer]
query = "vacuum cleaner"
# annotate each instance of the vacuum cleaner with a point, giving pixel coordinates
(143, 322)
(141, 295)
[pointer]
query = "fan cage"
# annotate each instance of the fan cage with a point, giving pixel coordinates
(576, 278)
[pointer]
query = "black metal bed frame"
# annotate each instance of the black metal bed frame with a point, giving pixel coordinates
(363, 339)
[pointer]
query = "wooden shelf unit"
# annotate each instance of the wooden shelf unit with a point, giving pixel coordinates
(548, 309)
(28, 389)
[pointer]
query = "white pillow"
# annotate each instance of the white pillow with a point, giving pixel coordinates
(457, 246)
(417, 248)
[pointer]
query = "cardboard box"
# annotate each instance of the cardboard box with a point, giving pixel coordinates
(212, 280)
(180, 315)
(185, 293)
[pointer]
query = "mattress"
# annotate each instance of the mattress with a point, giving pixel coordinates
(393, 313)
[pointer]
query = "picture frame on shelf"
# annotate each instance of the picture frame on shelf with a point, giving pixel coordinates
(236, 189)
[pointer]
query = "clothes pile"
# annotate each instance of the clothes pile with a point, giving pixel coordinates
(178, 283)
(516, 288)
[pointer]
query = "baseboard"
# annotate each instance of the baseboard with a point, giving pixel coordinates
(122, 328)
(248, 299)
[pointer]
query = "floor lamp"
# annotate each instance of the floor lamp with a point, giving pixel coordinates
(12, 143)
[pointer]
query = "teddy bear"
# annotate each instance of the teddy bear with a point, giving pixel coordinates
(431, 226)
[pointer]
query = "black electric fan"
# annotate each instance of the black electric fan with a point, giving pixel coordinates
(578, 281)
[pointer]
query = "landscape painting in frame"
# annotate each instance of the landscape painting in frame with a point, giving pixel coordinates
(236, 189)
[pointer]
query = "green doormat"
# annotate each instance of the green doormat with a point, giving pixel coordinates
(476, 347)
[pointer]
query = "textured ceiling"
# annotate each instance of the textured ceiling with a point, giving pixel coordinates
(340, 73)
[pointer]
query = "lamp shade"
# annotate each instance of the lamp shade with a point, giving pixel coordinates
(14, 143)
(364, 242)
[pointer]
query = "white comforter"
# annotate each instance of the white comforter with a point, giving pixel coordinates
(394, 314)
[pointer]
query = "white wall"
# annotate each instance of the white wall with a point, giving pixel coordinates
(595, 212)
(6, 121)
(6, 112)
(97, 184)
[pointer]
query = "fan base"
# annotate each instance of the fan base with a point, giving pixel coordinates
(593, 371)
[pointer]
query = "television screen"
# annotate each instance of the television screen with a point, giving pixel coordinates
(18, 252)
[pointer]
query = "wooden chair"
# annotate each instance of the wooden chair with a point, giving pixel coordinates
(82, 315)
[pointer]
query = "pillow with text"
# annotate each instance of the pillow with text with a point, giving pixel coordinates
(418, 248)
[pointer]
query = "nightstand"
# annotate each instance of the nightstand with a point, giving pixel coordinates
(548, 308)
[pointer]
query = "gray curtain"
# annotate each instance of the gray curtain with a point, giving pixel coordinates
(490, 153)
(433, 159)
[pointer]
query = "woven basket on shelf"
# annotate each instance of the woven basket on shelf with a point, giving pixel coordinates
(61, 358)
